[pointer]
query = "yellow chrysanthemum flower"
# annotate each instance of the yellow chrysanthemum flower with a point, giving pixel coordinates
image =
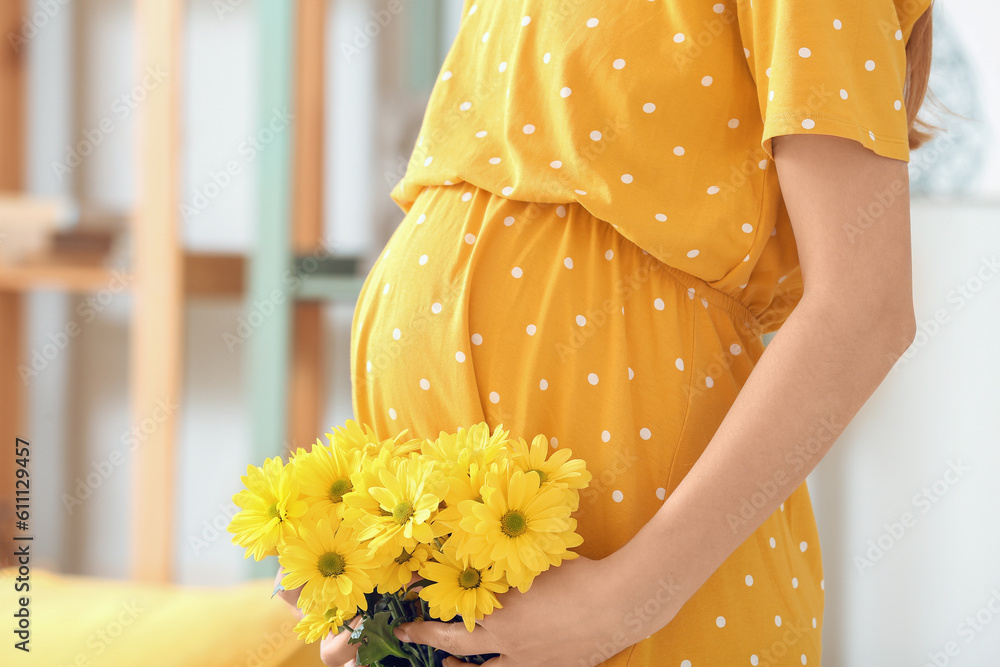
(352, 435)
(361, 437)
(465, 457)
(519, 528)
(454, 452)
(394, 513)
(359, 503)
(316, 624)
(324, 476)
(462, 486)
(327, 560)
(270, 509)
(400, 446)
(459, 588)
(557, 468)
(397, 573)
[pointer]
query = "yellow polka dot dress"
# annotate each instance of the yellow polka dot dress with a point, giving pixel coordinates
(594, 241)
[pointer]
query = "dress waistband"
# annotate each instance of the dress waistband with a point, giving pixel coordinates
(737, 310)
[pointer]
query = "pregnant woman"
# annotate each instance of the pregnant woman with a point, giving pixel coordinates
(607, 205)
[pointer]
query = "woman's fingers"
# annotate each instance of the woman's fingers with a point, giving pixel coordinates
(449, 637)
(334, 650)
(291, 597)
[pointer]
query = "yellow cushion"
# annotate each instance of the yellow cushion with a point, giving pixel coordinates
(83, 621)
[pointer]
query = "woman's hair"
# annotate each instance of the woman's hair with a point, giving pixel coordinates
(918, 69)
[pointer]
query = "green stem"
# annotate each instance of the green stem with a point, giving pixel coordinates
(413, 655)
(397, 609)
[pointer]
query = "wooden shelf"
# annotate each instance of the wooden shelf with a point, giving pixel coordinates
(76, 253)
(57, 274)
(214, 275)
(205, 275)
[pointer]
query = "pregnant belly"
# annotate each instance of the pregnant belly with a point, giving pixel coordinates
(545, 319)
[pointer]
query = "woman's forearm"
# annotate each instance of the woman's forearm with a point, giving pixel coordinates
(812, 379)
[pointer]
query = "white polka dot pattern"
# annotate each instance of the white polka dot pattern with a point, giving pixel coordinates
(524, 325)
(604, 122)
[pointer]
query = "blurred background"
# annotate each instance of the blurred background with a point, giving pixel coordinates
(191, 194)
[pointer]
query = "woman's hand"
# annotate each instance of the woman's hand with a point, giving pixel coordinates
(291, 597)
(572, 615)
(333, 649)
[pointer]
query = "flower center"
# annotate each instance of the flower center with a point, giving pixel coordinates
(402, 512)
(272, 512)
(469, 578)
(541, 474)
(403, 557)
(331, 564)
(513, 523)
(339, 488)
(331, 615)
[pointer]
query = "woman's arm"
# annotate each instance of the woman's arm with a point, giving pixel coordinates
(854, 321)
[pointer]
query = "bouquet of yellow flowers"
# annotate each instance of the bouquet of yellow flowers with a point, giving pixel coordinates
(401, 529)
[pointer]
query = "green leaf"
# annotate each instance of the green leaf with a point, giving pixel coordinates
(375, 639)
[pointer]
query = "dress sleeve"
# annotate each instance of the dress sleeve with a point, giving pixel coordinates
(834, 67)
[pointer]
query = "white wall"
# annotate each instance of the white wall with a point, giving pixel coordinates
(935, 557)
